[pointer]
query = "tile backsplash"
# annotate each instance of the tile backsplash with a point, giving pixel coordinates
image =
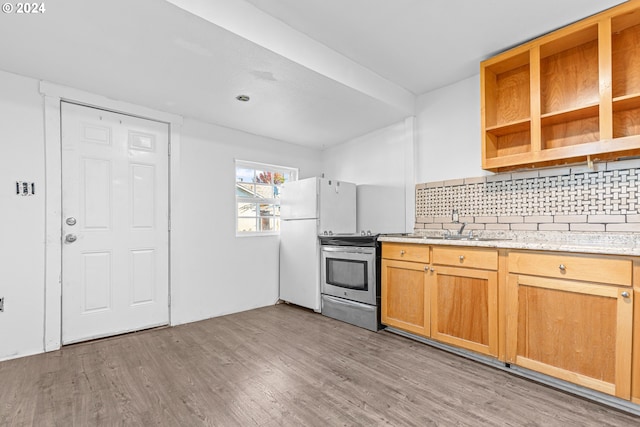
(605, 198)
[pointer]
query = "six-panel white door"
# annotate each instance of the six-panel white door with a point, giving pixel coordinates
(115, 206)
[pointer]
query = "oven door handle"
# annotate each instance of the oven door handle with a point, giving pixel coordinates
(364, 251)
(348, 303)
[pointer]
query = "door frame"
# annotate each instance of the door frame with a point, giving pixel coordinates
(53, 95)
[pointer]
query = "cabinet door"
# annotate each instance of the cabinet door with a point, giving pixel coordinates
(464, 308)
(576, 331)
(635, 368)
(405, 296)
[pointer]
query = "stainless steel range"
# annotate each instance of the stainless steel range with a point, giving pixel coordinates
(350, 282)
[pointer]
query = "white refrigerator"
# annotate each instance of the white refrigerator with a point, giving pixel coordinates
(309, 207)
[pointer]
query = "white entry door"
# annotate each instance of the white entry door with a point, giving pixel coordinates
(115, 205)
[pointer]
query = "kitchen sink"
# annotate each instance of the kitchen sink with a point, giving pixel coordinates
(485, 239)
(474, 238)
(408, 236)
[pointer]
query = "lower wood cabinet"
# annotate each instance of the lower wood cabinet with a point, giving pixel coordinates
(464, 298)
(635, 367)
(575, 330)
(405, 296)
(464, 308)
(452, 299)
(566, 315)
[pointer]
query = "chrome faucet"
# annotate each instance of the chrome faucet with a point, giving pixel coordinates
(455, 218)
(464, 224)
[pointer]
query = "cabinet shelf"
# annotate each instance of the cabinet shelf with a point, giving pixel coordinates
(569, 71)
(625, 54)
(626, 116)
(509, 128)
(570, 127)
(626, 102)
(570, 115)
(506, 86)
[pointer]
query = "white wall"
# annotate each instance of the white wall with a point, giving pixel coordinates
(22, 219)
(443, 144)
(217, 272)
(220, 273)
(448, 132)
(381, 164)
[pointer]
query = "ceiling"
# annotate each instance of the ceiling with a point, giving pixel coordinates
(319, 72)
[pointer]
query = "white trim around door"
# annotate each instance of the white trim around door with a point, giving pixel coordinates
(53, 94)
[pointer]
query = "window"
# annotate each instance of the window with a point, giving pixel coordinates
(258, 197)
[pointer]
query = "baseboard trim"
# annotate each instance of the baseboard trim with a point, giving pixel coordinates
(595, 396)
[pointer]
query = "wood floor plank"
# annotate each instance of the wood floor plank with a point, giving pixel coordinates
(277, 366)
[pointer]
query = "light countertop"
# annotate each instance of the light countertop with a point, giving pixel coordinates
(594, 243)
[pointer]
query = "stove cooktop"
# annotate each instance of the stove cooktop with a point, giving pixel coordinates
(349, 239)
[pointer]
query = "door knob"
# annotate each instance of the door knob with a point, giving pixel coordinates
(70, 238)
(71, 221)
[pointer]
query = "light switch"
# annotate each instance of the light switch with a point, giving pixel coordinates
(25, 188)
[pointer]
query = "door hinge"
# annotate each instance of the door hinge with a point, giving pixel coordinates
(169, 148)
(169, 224)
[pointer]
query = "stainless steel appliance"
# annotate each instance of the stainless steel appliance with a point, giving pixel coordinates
(350, 282)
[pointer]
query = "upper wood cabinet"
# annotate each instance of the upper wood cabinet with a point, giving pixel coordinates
(569, 96)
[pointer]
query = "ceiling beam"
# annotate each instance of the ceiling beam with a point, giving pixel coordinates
(249, 22)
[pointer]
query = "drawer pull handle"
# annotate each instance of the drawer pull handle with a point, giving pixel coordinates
(625, 294)
(562, 267)
(402, 252)
(461, 257)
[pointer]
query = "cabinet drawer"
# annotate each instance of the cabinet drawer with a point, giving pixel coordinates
(459, 256)
(572, 266)
(405, 252)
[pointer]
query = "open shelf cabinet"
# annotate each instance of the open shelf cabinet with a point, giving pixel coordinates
(569, 96)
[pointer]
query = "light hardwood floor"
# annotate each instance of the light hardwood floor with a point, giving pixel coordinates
(274, 366)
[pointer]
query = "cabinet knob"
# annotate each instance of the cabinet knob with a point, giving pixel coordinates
(432, 269)
(402, 252)
(562, 267)
(625, 294)
(461, 257)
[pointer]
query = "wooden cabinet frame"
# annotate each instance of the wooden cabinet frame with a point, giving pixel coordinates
(570, 96)
(635, 368)
(491, 278)
(620, 385)
(409, 314)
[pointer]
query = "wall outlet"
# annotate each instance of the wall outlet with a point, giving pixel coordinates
(1, 304)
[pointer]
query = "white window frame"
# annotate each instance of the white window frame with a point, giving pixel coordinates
(258, 166)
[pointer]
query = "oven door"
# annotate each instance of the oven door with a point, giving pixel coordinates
(349, 272)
